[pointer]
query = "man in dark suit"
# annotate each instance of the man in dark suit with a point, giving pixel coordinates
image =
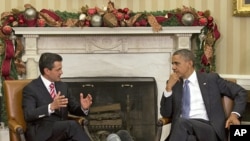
(46, 109)
(203, 118)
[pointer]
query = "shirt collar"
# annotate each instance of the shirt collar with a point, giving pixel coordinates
(46, 82)
(192, 78)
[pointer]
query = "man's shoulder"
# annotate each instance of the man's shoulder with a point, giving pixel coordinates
(209, 75)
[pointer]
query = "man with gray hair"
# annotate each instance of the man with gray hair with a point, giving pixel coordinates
(192, 100)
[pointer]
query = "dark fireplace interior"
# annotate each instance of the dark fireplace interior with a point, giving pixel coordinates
(119, 103)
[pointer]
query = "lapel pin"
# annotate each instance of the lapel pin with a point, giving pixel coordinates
(204, 83)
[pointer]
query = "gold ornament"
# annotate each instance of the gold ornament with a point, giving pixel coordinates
(210, 38)
(110, 20)
(154, 24)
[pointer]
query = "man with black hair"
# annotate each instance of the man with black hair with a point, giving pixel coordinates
(47, 101)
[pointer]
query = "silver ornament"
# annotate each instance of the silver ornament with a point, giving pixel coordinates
(96, 20)
(202, 37)
(187, 19)
(82, 17)
(30, 14)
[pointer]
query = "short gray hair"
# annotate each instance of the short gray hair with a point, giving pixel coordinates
(186, 54)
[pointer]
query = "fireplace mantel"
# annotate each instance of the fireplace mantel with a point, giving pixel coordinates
(86, 40)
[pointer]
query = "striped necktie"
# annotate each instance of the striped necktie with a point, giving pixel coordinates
(52, 90)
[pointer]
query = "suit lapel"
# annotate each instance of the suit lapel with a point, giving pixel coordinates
(178, 96)
(203, 83)
(42, 88)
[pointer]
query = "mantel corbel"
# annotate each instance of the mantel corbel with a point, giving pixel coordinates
(30, 55)
(183, 40)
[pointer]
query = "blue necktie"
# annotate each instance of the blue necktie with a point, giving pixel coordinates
(186, 100)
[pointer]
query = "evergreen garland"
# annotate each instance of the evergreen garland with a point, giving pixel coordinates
(13, 75)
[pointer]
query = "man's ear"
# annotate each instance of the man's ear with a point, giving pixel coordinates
(46, 70)
(191, 63)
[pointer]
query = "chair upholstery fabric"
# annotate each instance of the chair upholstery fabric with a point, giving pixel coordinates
(13, 97)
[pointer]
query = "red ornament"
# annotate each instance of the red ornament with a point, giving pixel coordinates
(125, 10)
(91, 11)
(126, 16)
(210, 19)
(87, 23)
(11, 18)
(200, 13)
(143, 22)
(41, 23)
(137, 24)
(119, 16)
(203, 21)
(210, 25)
(20, 22)
(7, 29)
(115, 11)
(160, 19)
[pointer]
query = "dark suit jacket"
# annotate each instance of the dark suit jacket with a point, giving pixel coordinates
(212, 87)
(36, 99)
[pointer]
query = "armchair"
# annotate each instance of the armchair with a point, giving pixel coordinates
(227, 105)
(16, 123)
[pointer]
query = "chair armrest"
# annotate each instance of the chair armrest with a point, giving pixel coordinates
(17, 129)
(83, 122)
(163, 121)
(160, 123)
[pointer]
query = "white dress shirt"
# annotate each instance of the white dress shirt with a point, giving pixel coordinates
(47, 83)
(197, 106)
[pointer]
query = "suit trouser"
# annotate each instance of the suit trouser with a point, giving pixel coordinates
(71, 130)
(192, 130)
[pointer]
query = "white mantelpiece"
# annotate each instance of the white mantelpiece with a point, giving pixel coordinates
(104, 51)
(95, 40)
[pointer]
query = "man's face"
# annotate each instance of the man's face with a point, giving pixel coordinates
(183, 68)
(55, 73)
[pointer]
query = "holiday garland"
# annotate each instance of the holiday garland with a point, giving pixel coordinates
(11, 48)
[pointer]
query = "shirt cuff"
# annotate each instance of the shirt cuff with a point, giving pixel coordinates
(237, 114)
(50, 111)
(86, 112)
(167, 94)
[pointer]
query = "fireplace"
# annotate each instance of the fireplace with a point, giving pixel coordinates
(102, 52)
(119, 103)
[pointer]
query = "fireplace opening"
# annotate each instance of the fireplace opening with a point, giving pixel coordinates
(119, 103)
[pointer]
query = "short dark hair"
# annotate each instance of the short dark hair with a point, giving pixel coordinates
(186, 54)
(47, 61)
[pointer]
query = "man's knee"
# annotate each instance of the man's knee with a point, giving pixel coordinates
(184, 125)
